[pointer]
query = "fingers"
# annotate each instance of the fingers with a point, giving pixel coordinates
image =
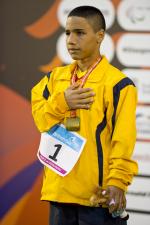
(83, 90)
(79, 98)
(79, 90)
(114, 204)
(88, 94)
(121, 203)
(95, 200)
(98, 198)
(116, 200)
(86, 101)
(83, 93)
(83, 106)
(74, 86)
(102, 201)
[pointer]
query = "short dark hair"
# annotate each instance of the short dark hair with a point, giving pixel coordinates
(92, 14)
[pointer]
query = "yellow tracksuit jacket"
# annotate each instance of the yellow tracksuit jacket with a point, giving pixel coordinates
(109, 127)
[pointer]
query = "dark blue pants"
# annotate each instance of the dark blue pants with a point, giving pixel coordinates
(68, 214)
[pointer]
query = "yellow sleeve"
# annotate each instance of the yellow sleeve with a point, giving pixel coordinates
(121, 166)
(50, 110)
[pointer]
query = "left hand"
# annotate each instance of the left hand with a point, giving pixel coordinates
(118, 195)
(98, 198)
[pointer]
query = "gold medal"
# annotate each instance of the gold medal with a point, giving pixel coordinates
(73, 123)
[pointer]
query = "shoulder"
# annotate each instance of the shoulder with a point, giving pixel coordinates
(62, 72)
(115, 82)
(116, 77)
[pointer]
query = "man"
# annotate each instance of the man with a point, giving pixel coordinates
(97, 101)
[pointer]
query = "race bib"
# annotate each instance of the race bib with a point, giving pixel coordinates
(60, 149)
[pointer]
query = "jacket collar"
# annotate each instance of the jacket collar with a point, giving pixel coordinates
(95, 76)
(99, 71)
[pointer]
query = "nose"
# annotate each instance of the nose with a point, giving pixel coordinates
(71, 38)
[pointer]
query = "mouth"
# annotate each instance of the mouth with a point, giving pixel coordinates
(73, 49)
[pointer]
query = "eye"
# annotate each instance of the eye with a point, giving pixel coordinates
(80, 33)
(67, 33)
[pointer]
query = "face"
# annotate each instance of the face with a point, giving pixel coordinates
(82, 41)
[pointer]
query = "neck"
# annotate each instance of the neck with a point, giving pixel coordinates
(84, 64)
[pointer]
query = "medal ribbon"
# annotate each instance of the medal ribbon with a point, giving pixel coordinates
(83, 79)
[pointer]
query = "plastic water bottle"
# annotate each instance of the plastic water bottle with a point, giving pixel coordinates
(121, 213)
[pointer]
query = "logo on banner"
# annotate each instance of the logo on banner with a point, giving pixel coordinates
(134, 15)
(134, 50)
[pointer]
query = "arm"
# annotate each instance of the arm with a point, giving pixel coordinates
(121, 167)
(50, 110)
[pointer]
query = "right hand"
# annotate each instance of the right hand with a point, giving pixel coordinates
(118, 196)
(79, 98)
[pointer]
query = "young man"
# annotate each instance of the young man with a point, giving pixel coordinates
(97, 101)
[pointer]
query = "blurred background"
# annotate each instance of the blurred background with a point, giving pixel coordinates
(32, 43)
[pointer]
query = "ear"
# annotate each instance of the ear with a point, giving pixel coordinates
(100, 36)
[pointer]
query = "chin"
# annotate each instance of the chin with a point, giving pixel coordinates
(75, 57)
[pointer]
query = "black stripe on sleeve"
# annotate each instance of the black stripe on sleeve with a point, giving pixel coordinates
(48, 75)
(46, 92)
(99, 130)
(116, 95)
